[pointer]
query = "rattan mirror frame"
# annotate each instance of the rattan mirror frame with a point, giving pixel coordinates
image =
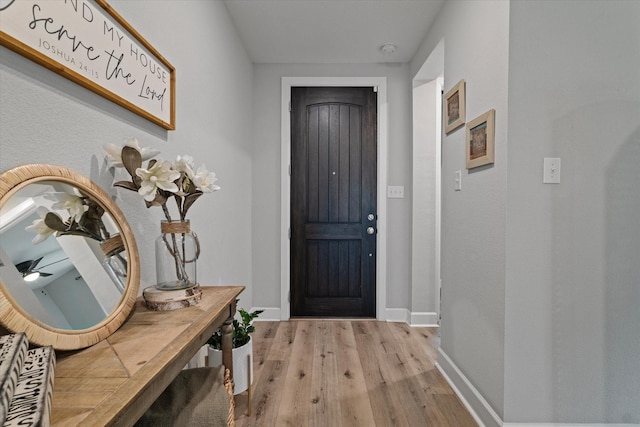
(14, 319)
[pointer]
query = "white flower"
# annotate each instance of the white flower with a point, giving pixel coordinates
(205, 180)
(70, 203)
(114, 152)
(184, 164)
(40, 228)
(159, 176)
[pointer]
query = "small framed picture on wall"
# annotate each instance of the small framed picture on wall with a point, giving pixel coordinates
(480, 140)
(454, 107)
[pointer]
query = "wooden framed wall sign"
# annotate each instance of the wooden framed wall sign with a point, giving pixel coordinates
(480, 140)
(88, 42)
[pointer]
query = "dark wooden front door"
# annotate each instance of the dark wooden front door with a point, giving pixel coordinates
(333, 201)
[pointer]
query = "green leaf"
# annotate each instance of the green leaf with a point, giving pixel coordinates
(241, 331)
(190, 187)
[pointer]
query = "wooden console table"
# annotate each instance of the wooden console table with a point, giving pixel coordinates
(115, 381)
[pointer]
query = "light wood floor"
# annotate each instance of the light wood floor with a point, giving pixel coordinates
(348, 373)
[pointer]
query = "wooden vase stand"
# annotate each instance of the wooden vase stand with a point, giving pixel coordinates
(166, 300)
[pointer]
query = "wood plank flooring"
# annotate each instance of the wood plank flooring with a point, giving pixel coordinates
(348, 373)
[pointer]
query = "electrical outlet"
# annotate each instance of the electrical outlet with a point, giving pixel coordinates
(395, 192)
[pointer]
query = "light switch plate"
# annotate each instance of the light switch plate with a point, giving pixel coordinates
(457, 184)
(395, 192)
(551, 172)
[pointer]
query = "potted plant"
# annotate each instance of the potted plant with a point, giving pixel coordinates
(242, 349)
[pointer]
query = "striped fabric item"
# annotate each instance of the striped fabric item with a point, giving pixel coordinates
(31, 403)
(13, 351)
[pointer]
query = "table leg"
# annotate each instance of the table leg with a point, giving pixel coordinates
(227, 345)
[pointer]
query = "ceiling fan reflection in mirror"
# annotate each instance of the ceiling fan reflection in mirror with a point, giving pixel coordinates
(30, 271)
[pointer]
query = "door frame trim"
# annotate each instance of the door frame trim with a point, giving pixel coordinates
(285, 184)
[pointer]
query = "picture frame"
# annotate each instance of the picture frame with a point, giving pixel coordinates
(89, 43)
(480, 140)
(455, 107)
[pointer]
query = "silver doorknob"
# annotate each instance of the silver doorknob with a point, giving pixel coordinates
(371, 217)
(371, 230)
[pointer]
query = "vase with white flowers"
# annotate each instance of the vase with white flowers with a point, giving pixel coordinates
(177, 248)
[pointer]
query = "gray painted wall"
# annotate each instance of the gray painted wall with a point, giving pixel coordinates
(541, 284)
(473, 220)
(48, 119)
(573, 249)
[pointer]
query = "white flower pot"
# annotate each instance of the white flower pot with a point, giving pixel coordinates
(242, 363)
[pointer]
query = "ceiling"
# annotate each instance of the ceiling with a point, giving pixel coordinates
(331, 31)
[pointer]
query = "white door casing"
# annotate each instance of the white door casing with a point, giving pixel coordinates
(285, 183)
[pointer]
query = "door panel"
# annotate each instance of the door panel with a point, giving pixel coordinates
(333, 178)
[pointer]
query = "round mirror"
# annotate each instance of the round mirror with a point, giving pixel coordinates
(69, 268)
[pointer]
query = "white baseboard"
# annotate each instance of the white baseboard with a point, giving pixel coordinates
(471, 398)
(426, 319)
(392, 315)
(403, 315)
(397, 315)
(268, 314)
(566, 425)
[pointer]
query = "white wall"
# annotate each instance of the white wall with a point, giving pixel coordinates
(473, 220)
(71, 298)
(266, 174)
(54, 316)
(426, 171)
(48, 119)
(573, 249)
